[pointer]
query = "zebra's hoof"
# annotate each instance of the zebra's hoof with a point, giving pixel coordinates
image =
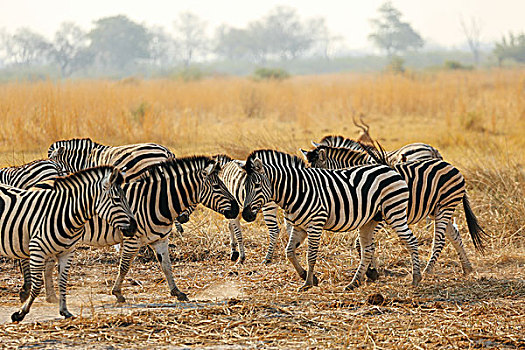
(66, 314)
(234, 256)
(372, 274)
(183, 218)
(119, 296)
(180, 295)
(467, 270)
(304, 287)
(23, 294)
(353, 285)
(17, 316)
(416, 279)
(316, 281)
(267, 261)
(52, 299)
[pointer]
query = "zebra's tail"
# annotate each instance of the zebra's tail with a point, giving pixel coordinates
(476, 232)
(377, 153)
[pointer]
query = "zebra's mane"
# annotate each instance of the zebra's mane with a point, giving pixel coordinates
(222, 158)
(73, 177)
(341, 141)
(312, 155)
(187, 163)
(269, 156)
(75, 141)
(23, 166)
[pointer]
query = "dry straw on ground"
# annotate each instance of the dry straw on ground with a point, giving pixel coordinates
(476, 119)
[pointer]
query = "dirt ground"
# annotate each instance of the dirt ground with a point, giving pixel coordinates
(258, 306)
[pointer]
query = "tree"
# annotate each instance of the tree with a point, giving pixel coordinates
(162, 47)
(26, 47)
(232, 43)
(472, 33)
(117, 42)
(391, 34)
(512, 48)
(69, 44)
(190, 36)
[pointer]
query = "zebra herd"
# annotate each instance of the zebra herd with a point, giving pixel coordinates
(93, 194)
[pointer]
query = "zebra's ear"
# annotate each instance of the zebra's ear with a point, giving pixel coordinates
(57, 152)
(315, 144)
(304, 153)
(210, 169)
(257, 166)
(322, 155)
(115, 178)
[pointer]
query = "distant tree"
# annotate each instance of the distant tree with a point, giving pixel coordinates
(512, 48)
(288, 37)
(162, 47)
(117, 42)
(69, 44)
(472, 33)
(232, 43)
(190, 36)
(323, 40)
(391, 34)
(26, 47)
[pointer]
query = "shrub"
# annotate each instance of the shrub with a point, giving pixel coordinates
(455, 65)
(270, 73)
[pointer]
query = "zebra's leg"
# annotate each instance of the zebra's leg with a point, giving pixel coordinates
(270, 219)
(51, 296)
(163, 257)
(37, 262)
(443, 218)
(26, 287)
(366, 240)
(183, 218)
(371, 271)
(236, 238)
(297, 237)
(412, 244)
(64, 263)
(314, 236)
(130, 248)
(453, 235)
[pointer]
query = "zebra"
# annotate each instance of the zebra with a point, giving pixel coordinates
(412, 151)
(77, 154)
(234, 177)
(23, 177)
(436, 188)
(41, 223)
(334, 200)
(157, 196)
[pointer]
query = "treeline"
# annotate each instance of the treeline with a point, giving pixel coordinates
(118, 46)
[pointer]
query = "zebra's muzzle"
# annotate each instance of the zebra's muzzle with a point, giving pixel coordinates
(233, 211)
(130, 230)
(248, 215)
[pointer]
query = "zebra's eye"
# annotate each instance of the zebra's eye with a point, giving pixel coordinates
(116, 199)
(216, 186)
(256, 181)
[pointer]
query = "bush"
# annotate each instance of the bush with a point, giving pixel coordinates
(396, 65)
(270, 73)
(455, 65)
(189, 74)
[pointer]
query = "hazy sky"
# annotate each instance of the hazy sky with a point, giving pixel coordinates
(436, 21)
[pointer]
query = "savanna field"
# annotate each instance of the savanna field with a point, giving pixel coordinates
(475, 118)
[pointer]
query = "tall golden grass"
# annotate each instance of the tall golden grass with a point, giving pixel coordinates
(476, 119)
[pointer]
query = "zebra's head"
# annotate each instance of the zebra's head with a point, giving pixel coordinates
(112, 205)
(316, 157)
(257, 187)
(214, 194)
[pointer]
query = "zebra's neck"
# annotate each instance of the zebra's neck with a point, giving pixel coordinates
(338, 158)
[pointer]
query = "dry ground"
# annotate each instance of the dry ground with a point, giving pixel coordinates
(476, 119)
(257, 306)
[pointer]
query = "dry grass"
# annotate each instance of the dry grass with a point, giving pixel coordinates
(476, 119)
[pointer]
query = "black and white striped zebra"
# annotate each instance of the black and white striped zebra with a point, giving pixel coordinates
(234, 177)
(436, 189)
(78, 154)
(23, 177)
(334, 200)
(40, 223)
(130, 159)
(157, 196)
(412, 151)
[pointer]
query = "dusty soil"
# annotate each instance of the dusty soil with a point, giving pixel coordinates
(258, 306)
